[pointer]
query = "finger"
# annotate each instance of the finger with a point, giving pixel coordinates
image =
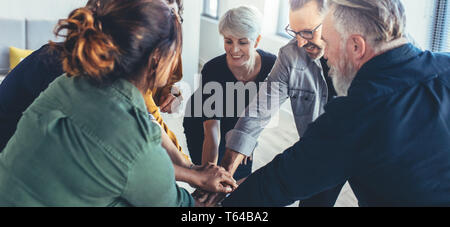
(241, 180)
(224, 189)
(198, 193)
(229, 181)
(218, 197)
(203, 198)
(211, 164)
(180, 97)
(175, 106)
(199, 204)
(244, 161)
(167, 102)
(167, 109)
(211, 199)
(226, 173)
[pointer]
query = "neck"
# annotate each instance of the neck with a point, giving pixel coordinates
(383, 48)
(142, 84)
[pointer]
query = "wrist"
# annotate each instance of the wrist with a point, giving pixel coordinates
(231, 160)
(197, 177)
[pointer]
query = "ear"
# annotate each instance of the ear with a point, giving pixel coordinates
(257, 41)
(150, 70)
(357, 48)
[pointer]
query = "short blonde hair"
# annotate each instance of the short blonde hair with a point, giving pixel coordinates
(243, 22)
(240, 22)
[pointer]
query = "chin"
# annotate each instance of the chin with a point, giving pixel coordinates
(316, 55)
(237, 62)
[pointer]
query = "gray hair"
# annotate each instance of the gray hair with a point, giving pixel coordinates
(380, 21)
(241, 22)
(298, 4)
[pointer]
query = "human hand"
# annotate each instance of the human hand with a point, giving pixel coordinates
(214, 199)
(213, 178)
(171, 101)
(208, 199)
(246, 158)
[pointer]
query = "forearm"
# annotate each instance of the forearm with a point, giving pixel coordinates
(244, 137)
(187, 175)
(210, 153)
(175, 155)
(231, 160)
(210, 149)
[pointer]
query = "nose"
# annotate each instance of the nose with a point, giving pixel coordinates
(301, 41)
(235, 48)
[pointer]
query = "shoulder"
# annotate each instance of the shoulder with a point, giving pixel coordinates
(214, 69)
(46, 56)
(444, 67)
(215, 63)
(292, 55)
(267, 57)
(37, 70)
(107, 115)
(39, 61)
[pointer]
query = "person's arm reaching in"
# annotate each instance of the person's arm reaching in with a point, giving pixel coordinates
(175, 155)
(242, 140)
(324, 158)
(209, 178)
(151, 182)
(211, 141)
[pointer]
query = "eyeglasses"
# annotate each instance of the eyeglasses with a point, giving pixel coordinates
(304, 34)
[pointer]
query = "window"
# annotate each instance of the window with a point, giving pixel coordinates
(211, 9)
(428, 22)
(440, 38)
(283, 19)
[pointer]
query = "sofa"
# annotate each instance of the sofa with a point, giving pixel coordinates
(28, 34)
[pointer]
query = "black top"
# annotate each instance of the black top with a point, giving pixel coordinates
(217, 71)
(23, 85)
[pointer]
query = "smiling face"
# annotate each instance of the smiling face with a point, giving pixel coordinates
(238, 50)
(306, 19)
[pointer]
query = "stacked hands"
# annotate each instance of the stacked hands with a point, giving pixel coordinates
(212, 182)
(215, 184)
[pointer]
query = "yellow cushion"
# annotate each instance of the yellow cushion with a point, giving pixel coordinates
(16, 55)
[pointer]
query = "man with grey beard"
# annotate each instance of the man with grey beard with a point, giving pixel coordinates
(387, 135)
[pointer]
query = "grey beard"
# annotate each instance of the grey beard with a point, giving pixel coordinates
(342, 80)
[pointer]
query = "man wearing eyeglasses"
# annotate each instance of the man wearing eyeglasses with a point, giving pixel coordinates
(300, 74)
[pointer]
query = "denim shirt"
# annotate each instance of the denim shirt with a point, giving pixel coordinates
(295, 76)
(80, 144)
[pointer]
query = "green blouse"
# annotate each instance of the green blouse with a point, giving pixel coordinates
(80, 144)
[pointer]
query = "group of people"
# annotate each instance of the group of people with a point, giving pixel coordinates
(80, 120)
